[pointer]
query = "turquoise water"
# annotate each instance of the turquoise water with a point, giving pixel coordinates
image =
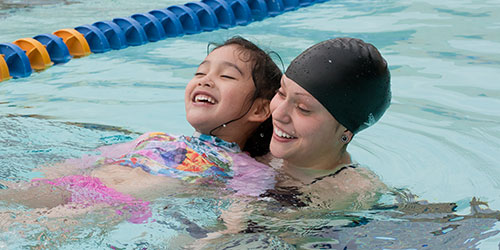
(440, 139)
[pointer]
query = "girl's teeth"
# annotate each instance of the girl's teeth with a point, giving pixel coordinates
(204, 98)
(282, 134)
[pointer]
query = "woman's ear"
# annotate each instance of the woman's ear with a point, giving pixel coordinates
(260, 110)
(346, 136)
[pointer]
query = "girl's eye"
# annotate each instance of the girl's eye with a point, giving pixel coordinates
(228, 77)
(199, 74)
(280, 93)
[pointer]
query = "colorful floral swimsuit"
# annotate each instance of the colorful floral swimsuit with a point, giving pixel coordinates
(182, 157)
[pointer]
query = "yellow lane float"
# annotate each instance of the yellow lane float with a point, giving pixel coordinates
(4, 70)
(75, 41)
(36, 52)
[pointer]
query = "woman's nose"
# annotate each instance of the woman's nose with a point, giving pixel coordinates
(281, 112)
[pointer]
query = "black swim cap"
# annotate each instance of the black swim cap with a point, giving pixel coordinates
(348, 77)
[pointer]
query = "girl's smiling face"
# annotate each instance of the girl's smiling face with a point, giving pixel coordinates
(305, 133)
(221, 89)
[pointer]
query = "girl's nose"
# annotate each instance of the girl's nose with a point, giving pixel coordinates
(205, 82)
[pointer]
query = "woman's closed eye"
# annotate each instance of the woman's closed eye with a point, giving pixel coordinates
(280, 93)
(199, 74)
(303, 110)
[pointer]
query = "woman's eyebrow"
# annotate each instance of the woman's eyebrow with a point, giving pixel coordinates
(295, 93)
(282, 83)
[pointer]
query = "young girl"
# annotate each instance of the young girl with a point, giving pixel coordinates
(227, 102)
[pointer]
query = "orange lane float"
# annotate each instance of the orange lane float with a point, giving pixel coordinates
(4, 70)
(36, 52)
(75, 41)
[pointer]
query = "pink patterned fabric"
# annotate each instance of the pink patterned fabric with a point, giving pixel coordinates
(251, 178)
(87, 191)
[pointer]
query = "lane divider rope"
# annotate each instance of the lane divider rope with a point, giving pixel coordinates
(20, 58)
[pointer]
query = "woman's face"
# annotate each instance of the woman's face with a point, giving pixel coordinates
(304, 131)
(220, 90)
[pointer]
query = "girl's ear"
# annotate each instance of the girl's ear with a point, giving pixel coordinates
(260, 110)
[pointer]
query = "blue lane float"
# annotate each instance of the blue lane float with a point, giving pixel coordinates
(16, 59)
(290, 5)
(156, 25)
(58, 51)
(134, 33)
(304, 3)
(151, 25)
(275, 7)
(241, 10)
(114, 34)
(169, 21)
(223, 12)
(259, 9)
(187, 17)
(205, 14)
(97, 41)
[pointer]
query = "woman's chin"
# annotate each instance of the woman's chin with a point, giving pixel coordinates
(278, 150)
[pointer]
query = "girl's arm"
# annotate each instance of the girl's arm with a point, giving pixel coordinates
(35, 195)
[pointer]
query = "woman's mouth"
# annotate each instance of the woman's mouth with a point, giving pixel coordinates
(282, 134)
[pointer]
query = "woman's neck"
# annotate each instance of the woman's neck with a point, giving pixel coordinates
(319, 167)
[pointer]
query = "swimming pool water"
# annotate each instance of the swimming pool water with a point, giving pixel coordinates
(440, 138)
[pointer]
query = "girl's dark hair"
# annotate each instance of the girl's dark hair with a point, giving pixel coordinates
(266, 76)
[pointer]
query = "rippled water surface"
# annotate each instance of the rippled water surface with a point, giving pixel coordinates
(440, 138)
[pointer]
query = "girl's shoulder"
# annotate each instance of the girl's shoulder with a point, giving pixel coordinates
(156, 136)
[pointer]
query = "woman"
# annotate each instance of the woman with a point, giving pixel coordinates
(329, 93)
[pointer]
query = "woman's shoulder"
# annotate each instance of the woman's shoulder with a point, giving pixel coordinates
(271, 161)
(352, 187)
(352, 178)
